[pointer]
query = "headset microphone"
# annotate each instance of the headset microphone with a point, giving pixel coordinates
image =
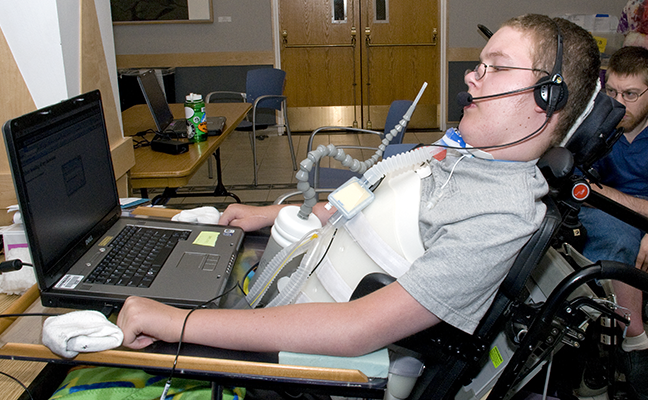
(465, 99)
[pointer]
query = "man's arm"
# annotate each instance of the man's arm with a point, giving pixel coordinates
(342, 329)
(634, 203)
(642, 256)
(251, 218)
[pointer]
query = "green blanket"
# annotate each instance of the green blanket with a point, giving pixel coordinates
(105, 383)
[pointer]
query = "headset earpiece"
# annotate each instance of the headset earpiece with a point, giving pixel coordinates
(552, 93)
(550, 96)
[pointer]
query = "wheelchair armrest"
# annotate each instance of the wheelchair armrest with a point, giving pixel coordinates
(371, 283)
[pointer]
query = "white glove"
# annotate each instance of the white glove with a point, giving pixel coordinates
(201, 215)
(80, 332)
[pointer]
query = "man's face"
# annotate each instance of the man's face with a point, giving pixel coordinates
(636, 116)
(500, 120)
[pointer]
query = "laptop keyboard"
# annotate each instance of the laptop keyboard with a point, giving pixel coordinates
(136, 256)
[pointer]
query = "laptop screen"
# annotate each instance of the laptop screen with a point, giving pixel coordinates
(155, 100)
(64, 179)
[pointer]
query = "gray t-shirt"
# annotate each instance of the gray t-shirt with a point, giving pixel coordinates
(475, 216)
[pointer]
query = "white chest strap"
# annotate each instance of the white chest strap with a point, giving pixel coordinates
(375, 247)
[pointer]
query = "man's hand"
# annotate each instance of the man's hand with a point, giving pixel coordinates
(249, 218)
(642, 257)
(145, 321)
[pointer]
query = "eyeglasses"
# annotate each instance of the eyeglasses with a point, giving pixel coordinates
(628, 96)
(481, 68)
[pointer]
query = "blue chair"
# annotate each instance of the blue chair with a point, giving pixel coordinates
(328, 178)
(264, 89)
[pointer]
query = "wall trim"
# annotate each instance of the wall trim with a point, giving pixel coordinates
(195, 59)
(463, 54)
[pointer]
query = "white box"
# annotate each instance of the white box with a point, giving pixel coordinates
(14, 238)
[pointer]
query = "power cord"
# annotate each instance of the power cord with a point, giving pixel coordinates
(18, 382)
(167, 386)
(12, 265)
(24, 315)
(142, 141)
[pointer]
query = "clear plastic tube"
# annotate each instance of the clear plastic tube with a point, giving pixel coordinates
(275, 266)
(400, 161)
(288, 294)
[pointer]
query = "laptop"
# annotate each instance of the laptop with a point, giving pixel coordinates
(65, 184)
(159, 107)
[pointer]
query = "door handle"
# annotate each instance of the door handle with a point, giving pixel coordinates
(435, 35)
(284, 34)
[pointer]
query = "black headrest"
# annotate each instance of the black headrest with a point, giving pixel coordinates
(597, 134)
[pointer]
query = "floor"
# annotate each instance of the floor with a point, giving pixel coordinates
(276, 176)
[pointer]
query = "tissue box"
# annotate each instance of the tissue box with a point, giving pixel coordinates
(14, 238)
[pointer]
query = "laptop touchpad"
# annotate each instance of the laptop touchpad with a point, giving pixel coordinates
(202, 261)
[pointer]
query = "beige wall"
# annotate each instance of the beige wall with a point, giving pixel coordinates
(82, 38)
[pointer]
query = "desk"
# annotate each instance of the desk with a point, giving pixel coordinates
(21, 341)
(25, 372)
(159, 170)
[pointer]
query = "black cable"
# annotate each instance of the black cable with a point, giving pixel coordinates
(24, 315)
(325, 253)
(142, 142)
(12, 265)
(20, 383)
(496, 146)
(29, 315)
(184, 325)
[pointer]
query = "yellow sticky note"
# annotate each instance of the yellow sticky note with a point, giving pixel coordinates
(207, 238)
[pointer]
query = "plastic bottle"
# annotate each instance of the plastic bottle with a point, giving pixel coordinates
(196, 118)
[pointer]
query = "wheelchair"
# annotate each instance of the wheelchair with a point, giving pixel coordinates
(550, 296)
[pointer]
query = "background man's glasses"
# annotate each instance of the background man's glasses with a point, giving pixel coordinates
(481, 68)
(627, 95)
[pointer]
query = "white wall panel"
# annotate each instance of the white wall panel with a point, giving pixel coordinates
(32, 32)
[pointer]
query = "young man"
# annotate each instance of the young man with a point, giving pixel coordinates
(624, 175)
(484, 212)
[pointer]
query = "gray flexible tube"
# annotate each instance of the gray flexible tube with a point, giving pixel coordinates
(347, 161)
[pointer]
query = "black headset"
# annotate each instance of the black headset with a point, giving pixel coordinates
(551, 92)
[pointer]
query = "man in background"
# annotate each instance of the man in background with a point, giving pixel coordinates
(624, 177)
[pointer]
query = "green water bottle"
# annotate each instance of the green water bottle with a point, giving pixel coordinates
(196, 118)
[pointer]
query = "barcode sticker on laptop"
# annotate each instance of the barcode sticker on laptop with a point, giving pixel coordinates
(69, 282)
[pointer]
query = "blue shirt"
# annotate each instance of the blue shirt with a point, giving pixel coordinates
(626, 167)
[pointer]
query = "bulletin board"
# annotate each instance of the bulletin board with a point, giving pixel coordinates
(161, 11)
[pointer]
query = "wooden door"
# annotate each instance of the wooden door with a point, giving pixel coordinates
(400, 53)
(347, 60)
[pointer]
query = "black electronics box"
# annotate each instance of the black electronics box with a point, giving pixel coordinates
(169, 146)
